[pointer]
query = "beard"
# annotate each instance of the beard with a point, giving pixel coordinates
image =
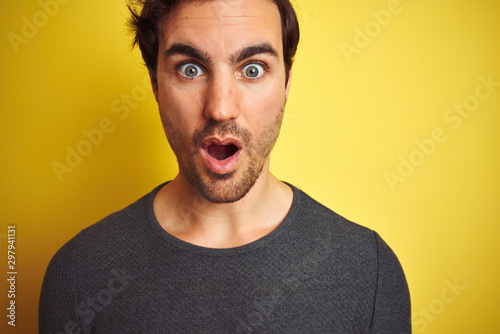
(233, 186)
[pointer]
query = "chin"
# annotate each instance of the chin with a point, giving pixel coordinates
(226, 188)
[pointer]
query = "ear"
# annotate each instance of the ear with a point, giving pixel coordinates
(288, 83)
(154, 84)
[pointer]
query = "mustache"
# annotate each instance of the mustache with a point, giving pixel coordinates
(222, 129)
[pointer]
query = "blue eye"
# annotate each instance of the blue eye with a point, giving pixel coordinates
(191, 70)
(253, 71)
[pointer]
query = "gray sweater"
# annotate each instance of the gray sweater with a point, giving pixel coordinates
(316, 273)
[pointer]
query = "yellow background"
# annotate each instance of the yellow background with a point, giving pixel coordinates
(347, 124)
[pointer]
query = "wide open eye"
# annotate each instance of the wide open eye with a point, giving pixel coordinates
(253, 71)
(191, 70)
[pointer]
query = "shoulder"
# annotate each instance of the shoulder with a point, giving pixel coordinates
(350, 243)
(316, 216)
(116, 229)
(116, 226)
(359, 258)
(103, 241)
(88, 263)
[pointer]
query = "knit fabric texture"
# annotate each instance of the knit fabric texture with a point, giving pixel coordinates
(315, 273)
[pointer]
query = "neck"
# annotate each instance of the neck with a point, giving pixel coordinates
(189, 217)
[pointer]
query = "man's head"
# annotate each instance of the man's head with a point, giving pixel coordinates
(148, 16)
(221, 76)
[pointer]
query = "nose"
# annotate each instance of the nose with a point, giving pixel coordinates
(222, 99)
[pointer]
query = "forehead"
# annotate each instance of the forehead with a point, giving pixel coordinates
(223, 26)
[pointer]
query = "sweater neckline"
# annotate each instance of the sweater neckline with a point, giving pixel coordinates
(178, 243)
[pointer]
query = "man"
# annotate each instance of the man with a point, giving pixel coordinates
(224, 247)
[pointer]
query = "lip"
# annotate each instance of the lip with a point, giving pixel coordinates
(221, 166)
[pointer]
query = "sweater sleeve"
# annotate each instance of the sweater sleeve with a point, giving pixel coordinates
(57, 307)
(392, 309)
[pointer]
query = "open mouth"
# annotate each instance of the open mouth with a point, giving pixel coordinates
(221, 155)
(222, 152)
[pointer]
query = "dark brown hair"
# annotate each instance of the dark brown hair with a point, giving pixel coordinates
(147, 17)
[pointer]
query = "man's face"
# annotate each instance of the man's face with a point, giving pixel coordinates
(221, 92)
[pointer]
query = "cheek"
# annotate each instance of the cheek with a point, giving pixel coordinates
(263, 108)
(181, 110)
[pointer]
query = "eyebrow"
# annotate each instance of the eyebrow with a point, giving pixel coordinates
(245, 53)
(262, 48)
(188, 50)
